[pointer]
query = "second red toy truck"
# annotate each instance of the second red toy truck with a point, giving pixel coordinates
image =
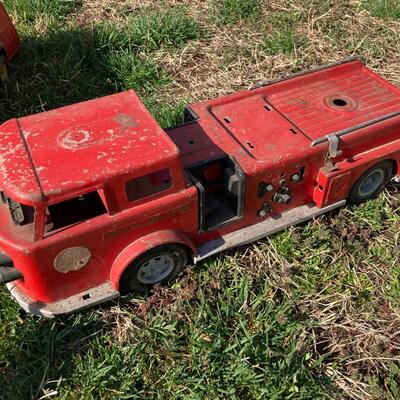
(9, 42)
(98, 199)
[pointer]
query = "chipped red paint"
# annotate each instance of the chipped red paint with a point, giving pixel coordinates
(46, 145)
(101, 144)
(9, 40)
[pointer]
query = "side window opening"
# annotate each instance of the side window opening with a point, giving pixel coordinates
(147, 185)
(74, 210)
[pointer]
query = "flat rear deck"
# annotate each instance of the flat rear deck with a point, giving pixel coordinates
(327, 101)
(287, 115)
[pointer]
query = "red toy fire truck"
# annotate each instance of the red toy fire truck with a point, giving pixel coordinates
(9, 42)
(99, 200)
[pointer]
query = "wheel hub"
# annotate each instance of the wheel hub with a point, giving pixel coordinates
(371, 183)
(155, 269)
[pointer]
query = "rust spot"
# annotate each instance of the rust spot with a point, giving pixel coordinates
(125, 120)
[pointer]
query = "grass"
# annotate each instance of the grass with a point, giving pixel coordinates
(216, 363)
(310, 313)
(283, 38)
(29, 11)
(87, 62)
(285, 42)
(232, 11)
(386, 9)
(152, 29)
(133, 72)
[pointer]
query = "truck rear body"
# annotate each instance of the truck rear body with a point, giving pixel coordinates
(270, 132)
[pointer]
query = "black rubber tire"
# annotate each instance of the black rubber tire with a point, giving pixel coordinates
(383, 170)
(130, 283)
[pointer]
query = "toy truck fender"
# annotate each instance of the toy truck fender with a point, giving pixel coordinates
(140, 246)
(334, 185)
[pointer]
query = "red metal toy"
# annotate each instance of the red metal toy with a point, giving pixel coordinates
(9, 42)
(98, 199)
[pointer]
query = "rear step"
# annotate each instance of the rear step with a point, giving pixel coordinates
(262, 229)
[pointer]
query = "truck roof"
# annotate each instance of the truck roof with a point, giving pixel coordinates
(271, 120)
(51, 156)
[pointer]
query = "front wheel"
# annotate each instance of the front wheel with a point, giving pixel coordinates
(371, 182)
(160, 265)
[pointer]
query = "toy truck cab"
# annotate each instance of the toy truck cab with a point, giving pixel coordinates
(85, 188)
(9, 42)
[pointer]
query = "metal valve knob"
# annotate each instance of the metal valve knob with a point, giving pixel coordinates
(282, 198)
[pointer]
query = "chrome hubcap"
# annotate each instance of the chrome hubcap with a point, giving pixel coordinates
(371, 183)
(155, 269)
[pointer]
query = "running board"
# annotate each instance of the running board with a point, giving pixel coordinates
(88, 298)
(262, 229)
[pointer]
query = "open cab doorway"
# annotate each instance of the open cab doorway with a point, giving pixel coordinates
(221, 186)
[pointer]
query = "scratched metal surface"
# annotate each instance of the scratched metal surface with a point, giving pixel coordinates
(284, 116)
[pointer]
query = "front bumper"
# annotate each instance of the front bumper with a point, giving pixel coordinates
(88, 298)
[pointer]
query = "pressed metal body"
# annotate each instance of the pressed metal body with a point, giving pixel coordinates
(261, 146)
(9, 41)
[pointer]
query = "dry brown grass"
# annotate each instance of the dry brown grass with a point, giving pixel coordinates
(233, 57)
(92, 12)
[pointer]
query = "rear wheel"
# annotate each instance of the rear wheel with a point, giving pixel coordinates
(371, 182)
(160, 265)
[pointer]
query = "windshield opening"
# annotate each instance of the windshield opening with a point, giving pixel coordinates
(73, 211)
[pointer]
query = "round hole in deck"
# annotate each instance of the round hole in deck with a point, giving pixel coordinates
(191, 141)
(339, 102)
(227, 119)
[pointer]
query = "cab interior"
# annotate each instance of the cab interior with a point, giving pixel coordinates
(220, 183)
